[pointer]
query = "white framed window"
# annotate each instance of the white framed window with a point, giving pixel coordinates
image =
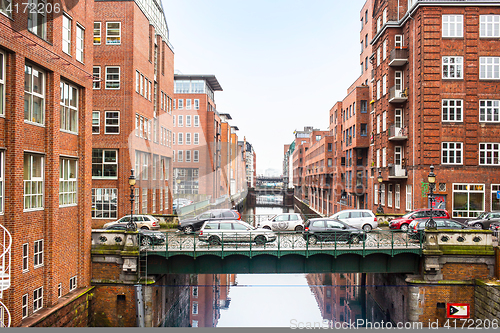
(188, 155)
(180, 121)
(180, 156)
(144, 201)
(34, 95)
(96, 81)
(188, 121)
(142, 84)
(72, 283)
(398, 41)
(489, 68)
(378, 158)
(145, 165)
(112, 122)
(195, 308)
(452, 110)
(384, 50)
(196, 104)
(33, 181)
(173, 138)
(59, 290)
(38, 253)
(452, 67)
(378, 89)
(2, 83)
(68, 176)
(155, 166)
(384, 157)
(382, 195)
(378, 123)
(166, 196)
(196, 121)
(384, 16)
(25, 306)
(25, 257)
(495, 203)
(153, 201)
(37, 299)
(453, 26)
(137, 81)
(188, 104)
(104, 163)
(188, 138)
(378, 56)
(96, 120)
(2, 181)
(180, 139)
(36, 10)
(379, 23)
(375, 194)
(69, 108)
(389, 195)
(146, 87)
(173, 120)
(384, 85)
(489, 153)
(451, 153)
(196, 138)
(196, 156)
(408, 197)
(113, 33)
(468, 200)
(97, 33)
(66, 34)
(180, 104)
(137, 201)
(398, 81)
(489, 110)
(104, 203)
(112, 78)
(489, 26)
(80, 43)
(384, 121)
(397, 196)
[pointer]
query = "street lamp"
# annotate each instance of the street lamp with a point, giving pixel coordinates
(380, 210)
(131, 226)
(431, 224)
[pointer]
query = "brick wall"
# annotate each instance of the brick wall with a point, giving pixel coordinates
(115, 306)
(487, 300)
(456, 271)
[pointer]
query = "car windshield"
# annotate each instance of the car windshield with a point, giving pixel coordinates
(248, 226)
(482, 215)
(407, 215)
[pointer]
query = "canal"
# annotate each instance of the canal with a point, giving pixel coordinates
(275, 300)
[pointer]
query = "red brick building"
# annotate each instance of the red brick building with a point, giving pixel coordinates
(45, 157)
(436, 79)
(132, 111)
(197, 137)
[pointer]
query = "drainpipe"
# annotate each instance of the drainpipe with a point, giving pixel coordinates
(139, 305)
(413, 110)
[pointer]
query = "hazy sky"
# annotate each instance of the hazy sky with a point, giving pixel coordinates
(281, 63)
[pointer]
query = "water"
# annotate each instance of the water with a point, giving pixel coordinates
(277, 300)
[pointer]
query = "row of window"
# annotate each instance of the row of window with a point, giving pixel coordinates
(143, 85)
(181, 106)
(113, 33)
(66, 37)
(185, 156)
(111, 79)
(111, 122)
(180, 121)
(160, 166)
(453, 26)
(180, 138)
(397, 195)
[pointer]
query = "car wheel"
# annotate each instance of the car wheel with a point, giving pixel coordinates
(214, 240)
(355, 239)
(367, 228)
(146, 241)
(404, 227)
(261, 240)
(266, 227)
(144, 228)
(312, 240)
(188, 229)
(478, 226)
(299, 228)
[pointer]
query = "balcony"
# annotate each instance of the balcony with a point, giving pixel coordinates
(398, 57)
(396, 171)
(5, 250)
(397, 133)
(397, 96)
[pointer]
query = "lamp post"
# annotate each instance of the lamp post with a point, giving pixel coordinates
(431, 224)
(380, 210)
(131, 225)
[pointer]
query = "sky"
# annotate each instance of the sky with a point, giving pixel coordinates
(282, 64)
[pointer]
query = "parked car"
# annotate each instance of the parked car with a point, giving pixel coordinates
(417, 227)
(484, 220)
(181, 202)
(404, 221)
(146, 237)
(284, 222)
(495, 227)
(142, 222)
(217, 231)
(195, 223)
(359, 218)
(328, 229)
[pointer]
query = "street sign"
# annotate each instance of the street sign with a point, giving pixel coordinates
(498, 195)
(457, 310)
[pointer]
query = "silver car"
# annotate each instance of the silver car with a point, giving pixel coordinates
(284, 222)
(359, 218)
(215, 232)
(146, 222)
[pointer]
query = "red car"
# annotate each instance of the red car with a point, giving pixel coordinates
(404, 221)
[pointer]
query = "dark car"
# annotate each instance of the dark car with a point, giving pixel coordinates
(484, 220)
(495, 227)
(146, 237)
(327, 229)
(195, 223)
(417, 227)
(404, 221)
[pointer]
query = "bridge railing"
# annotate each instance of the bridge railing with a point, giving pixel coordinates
(390, 242)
